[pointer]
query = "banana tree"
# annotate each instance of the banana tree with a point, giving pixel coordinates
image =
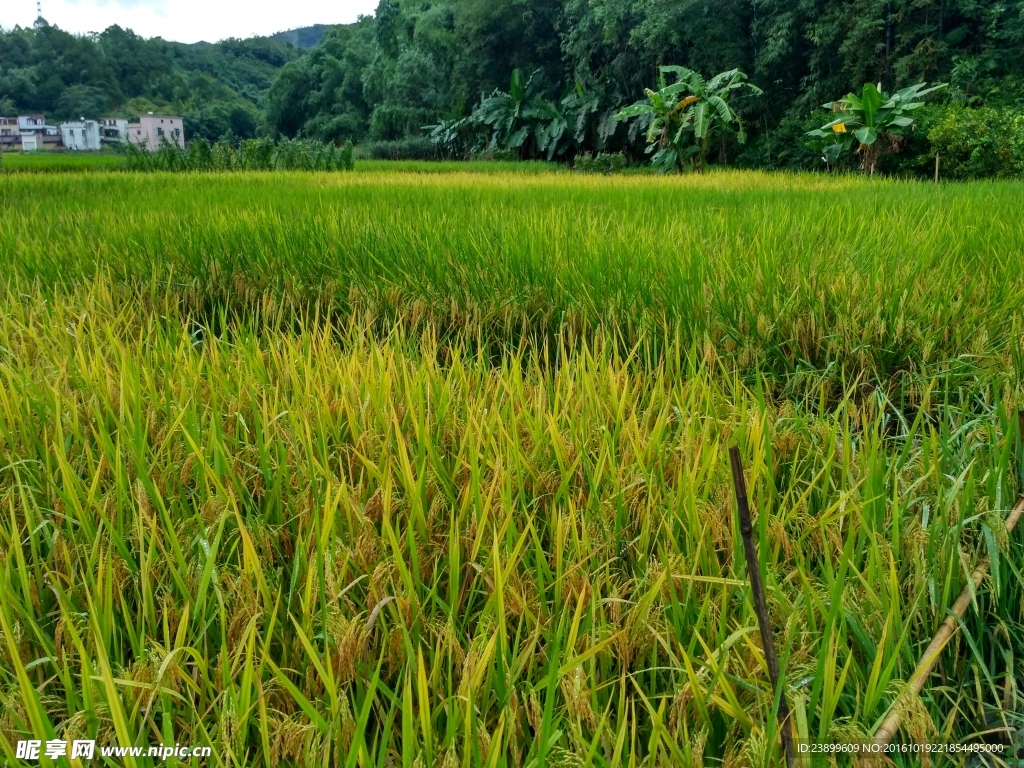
(550, 125)
(581, 117)
(683, 116)
(591, 112)
(503, 111)
(523, 119)
(453, 137)
(869, 121)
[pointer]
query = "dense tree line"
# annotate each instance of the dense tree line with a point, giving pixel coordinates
(422, 62)
(479, 72)
(217, 87)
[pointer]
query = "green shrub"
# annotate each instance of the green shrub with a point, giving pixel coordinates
(786, 146)
(978, 143)
(496, 154)
(396, 123)
(602, 162)
(414, 148)
(912, 154)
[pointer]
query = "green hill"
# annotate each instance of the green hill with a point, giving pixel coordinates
(302, 37)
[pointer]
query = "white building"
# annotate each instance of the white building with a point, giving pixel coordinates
(32, 123)
(81, 134)
(113, 130)
(152, 129)
(36, 134)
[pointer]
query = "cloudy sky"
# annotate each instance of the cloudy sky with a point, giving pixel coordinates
(186, 20)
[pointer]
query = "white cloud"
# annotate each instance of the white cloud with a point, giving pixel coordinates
(186, 21)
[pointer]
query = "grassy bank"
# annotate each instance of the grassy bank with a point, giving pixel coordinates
(401, 469)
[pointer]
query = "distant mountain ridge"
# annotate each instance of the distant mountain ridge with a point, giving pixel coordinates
(302, 37)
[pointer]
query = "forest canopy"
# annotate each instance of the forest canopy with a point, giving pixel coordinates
(422, 65)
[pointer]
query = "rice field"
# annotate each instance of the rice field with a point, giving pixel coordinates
(61, 162)
(71, 162)
(430, 469)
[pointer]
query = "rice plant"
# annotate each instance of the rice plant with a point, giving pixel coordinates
(249, 155)
(431, 470)
(60, 162)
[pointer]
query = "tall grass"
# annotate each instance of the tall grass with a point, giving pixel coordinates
(249, 155)
(460, 166)
(322, 481)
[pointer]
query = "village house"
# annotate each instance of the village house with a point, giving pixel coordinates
(152, 129)
(32, 122)
(81, 134)
(113, 130)
(10, 136)
(30, 132)
(36, 134)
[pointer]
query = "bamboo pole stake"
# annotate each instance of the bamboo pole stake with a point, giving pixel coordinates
(760, 605)
(1020, 425)
(888, 729)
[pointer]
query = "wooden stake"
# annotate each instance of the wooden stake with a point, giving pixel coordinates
(936, 167)
(760, 606)
(888, 729)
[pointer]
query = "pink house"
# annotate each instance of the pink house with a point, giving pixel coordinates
(152, 129)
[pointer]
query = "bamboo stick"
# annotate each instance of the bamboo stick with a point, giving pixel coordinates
(888, 729)
(760, 604)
